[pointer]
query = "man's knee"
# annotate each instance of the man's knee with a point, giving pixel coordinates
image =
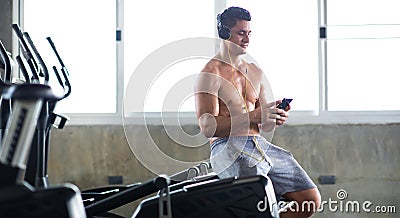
(311, 202)
(308, 201)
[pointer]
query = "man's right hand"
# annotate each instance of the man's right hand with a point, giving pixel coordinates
(267, 116)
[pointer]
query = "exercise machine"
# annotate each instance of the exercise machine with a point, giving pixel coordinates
(214, 198)
(36, 172)
(97, 201)
(5, 109)
(18, 198)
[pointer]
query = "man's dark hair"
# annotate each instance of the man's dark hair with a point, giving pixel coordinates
(231, 15)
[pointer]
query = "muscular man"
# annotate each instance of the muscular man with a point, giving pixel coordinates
(233, 104)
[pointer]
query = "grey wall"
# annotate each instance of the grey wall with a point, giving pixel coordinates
(364, 158)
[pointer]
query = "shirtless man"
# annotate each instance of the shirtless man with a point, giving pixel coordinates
(233, 103)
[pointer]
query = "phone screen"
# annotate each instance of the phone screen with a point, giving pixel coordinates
(285, 103)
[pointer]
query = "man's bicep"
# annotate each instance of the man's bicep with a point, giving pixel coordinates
(206, 103)
(206, 94)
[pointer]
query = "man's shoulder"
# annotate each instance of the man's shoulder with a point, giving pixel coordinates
(213, 66)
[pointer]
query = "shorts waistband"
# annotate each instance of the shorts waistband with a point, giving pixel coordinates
(235, 139)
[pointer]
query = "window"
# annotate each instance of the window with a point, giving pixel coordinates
(85, 39)
(363, 48)
(284, 42)
(148, 30)
(350, 76)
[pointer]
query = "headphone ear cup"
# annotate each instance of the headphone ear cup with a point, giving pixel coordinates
(224, 33)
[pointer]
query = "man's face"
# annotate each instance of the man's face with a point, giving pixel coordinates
(240, 34)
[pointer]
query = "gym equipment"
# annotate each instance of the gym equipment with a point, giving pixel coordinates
(128, 195)
(91, 196)
(201, 169)
(205, 195)
(195, 174)
(234, 197)
(37, 165)
(5, 109)
(17, 198)
(36, 172)
(97, 201)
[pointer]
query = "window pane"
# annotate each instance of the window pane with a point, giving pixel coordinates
(362, 54)
(350, 12)
(284, 43)
(363, 74)
(85, 39)
(148, 28)
(173, 89)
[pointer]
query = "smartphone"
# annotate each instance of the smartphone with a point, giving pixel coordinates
(285, 103)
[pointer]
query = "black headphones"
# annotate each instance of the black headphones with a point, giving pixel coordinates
(224, 32)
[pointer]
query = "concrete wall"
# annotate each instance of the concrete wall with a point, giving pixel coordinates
(364, 158)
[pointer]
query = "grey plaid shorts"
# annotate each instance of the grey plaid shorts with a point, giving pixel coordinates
(238, 156)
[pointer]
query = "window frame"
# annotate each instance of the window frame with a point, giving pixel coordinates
(325, 116)
(322, 116)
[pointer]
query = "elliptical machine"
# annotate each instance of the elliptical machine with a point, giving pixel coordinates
(97, 201)
(18, 198)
